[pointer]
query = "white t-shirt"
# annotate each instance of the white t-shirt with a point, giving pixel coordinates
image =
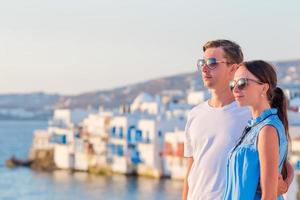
(210, 134)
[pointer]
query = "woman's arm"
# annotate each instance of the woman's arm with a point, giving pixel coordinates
(268, 150)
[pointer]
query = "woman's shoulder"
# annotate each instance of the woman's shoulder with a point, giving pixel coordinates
(273, 121)
(274, 124)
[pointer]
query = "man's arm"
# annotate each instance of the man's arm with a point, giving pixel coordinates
(290, 173)
(185, 183)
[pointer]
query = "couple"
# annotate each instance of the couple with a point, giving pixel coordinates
(225, 159)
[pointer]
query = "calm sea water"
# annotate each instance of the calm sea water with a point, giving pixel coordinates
(23, 183)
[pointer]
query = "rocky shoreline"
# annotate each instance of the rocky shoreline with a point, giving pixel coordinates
(43, 160)
(38, 160)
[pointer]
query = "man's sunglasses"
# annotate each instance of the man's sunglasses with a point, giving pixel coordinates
(242, 83)
(211, 63)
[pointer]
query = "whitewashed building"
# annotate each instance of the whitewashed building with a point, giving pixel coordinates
(118, 144)
(62, 133)
(197, 97)
(146, 103)
(42, 140)
(175, 165)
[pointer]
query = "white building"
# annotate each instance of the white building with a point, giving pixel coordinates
(146, 103)
(63, 156)
(173, 96)
(150, 147)
(79, 114)
(90, 152)
(175, 165)
(85, 155)
(41, 140)
(61, 118)
(63, 140)
(66, 118)
(292, 92)
(197, 97)
(96, 124)
(118, 147)
(295, 104)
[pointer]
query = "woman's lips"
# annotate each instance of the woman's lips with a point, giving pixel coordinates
(238, 97)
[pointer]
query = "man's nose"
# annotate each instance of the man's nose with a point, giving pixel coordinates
(204, 68)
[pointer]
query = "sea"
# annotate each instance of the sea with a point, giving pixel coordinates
(26, 184)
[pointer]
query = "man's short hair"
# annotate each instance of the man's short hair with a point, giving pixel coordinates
(233, 52)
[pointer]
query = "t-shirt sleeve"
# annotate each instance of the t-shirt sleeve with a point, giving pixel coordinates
(188, 148)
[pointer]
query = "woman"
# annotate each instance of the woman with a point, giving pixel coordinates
(256, 161)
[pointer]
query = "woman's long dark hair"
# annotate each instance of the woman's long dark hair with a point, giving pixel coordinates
(266, 73)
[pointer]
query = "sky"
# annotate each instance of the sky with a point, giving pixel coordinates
(76, 46)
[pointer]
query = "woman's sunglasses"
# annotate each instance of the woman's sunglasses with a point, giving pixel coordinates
(242, 83)
(211, 63)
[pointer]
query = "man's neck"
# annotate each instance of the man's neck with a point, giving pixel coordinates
(220, 98)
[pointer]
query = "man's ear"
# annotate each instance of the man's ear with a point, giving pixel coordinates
(233, 68)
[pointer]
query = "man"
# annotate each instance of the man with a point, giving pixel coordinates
(214, 126)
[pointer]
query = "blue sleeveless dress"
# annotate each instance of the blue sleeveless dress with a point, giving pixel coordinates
(243, 168)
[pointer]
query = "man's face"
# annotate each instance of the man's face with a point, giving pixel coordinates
(218, 77)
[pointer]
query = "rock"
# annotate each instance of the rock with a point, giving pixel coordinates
(15, 162)
(43, 160)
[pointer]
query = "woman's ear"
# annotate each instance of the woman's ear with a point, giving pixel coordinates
(266, 87)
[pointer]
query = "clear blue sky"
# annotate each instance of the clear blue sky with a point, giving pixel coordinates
(72, 46)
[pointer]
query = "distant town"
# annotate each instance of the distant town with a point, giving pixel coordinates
(41, 106)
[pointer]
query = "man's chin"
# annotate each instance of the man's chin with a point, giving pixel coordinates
(209, 85)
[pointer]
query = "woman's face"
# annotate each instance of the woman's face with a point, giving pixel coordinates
(246, 88)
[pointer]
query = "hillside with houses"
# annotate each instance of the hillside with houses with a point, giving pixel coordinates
(41, 105)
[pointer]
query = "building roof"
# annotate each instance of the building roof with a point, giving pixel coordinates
(143, 98)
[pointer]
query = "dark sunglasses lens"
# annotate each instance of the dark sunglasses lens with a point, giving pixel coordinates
(231, 85)
(200, 63)
(211, 61)
(241, 84)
